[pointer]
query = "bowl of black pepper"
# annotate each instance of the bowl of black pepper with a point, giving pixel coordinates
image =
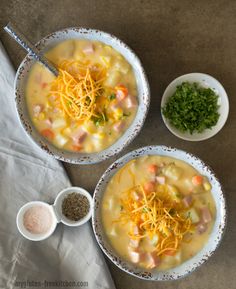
(73, 206)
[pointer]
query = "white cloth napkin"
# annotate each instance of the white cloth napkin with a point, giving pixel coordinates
(27, 174)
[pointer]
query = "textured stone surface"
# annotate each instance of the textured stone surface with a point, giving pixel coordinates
(171, 38)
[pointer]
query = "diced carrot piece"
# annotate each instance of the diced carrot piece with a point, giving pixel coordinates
(149, 187)
(48, 133)
(44, 84)
(76, 148)
(152, 168)
(121, 92)
(197, 180)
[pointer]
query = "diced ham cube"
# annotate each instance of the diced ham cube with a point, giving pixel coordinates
(130, 101)
(89, 49)
(161, 180)
(134, 243)
(119, 126)
(152, 168)
(201, 228)
(37, 108)
(152, 260)
(187, 201)
(136, 230)
(206, 215)
(48, 122)
(79, 137)
(136, 196)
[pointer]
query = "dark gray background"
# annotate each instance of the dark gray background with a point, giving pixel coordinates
(171, 37)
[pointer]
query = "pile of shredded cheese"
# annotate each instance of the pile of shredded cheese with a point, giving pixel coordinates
(156, 213)
(78, 86)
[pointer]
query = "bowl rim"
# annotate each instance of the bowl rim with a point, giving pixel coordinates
(218, 126)
(125, 265)
(108, 152)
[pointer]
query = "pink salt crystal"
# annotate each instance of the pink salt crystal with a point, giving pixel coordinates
(37, 220)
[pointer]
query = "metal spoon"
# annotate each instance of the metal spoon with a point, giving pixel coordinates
(22, 40)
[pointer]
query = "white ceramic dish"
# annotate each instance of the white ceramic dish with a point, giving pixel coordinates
(26, 233)
(56, 211)
(58, 206)
(142, 85)
(204, 80)
(191, 264)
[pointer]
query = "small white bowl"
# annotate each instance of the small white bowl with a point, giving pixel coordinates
(57, 215)
(25, 232)
(206, 81)
(58, 206)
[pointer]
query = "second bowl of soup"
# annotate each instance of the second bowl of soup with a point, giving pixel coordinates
(94, 107)
(159, 213)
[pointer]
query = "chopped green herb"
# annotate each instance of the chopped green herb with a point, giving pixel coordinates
(112, 96)
(125, 115)
(172, 212)
(100, 119)
(121, 208)
(192, 108)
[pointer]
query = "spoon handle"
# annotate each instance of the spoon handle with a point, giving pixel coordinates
(23, 41)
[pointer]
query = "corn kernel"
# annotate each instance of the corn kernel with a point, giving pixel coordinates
(66, 131)
(89, 127)
(108, 47)
(118, 113)
(48, 105)
(99, 135)
(41, 116)
(207, 186)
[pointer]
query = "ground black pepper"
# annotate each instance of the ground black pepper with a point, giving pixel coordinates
(75, 206)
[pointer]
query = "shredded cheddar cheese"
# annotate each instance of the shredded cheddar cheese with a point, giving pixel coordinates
(156, 214)
(78, 86)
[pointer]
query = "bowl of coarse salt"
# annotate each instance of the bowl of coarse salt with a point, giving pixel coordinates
(37, 220)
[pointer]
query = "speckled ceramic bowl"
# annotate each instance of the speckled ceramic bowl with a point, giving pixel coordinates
(143, 95)
(193, 263)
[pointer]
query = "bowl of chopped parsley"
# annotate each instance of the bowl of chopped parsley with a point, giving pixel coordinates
(195, 106)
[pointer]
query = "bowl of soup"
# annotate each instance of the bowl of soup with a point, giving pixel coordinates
(94, 107)
(159, 213)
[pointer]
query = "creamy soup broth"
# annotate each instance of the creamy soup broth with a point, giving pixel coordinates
(115, 106)
(158, 172)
